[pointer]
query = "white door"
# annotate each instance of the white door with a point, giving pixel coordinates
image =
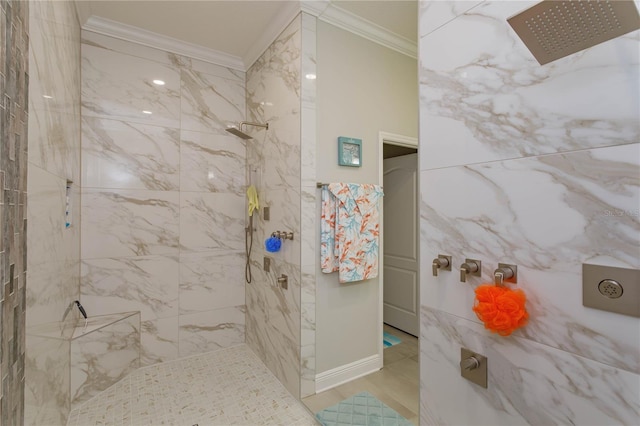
(401, 286)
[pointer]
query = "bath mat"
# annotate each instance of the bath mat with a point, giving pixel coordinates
(389, 339)
(362, 409)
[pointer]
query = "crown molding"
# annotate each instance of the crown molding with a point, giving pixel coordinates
(158, 41)
(323, 10)
(348, 21)
(271, 33)
(315, 7)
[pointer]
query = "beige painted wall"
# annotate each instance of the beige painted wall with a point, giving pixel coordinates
(363, 88)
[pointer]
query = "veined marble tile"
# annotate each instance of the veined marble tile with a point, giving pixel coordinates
(211, 221)
(548, 215)
(158, 340)
(256, 307)
(206, 331)
(307, 303)
(279, 353)
(434, 14)
(285, 216)
(119, 154)
(279, 148)
(54, 97)
(308, 218)
(103, 357)
(274, 96)
(211, 280)
(528, 383)
(212, 163)
(60, 12)
(148, 284)
(120, 47)
(157, 55)
(308, 331)
(256, 302)
(52, 285)
(307, 370)
(283, 359)
(283, 306)
(117, 223)
(53, 251)
(309, 222)
(308, 48)
(52, 258)
(308, 148)
(120, 86)
(484, 97)
(47, 398)
(283, 59)
(281, 159)
(213, 69)
(210, 103)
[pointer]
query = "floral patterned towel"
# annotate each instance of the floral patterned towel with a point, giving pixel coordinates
(349, 230)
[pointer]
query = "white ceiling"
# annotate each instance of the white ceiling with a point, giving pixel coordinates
(237, 27)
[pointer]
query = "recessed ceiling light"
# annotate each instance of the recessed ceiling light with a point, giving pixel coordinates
(310, 76)
(158, 82)
(47, 97)
(147, 112)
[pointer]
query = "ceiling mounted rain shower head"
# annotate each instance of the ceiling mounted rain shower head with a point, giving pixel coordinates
(238, 130)
(554, 29)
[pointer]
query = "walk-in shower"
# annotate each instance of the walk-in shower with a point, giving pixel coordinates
(252, 196)
(238, 130)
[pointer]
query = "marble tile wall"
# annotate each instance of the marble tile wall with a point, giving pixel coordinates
(308, 219)
(102, 357)
(99, 353)
(274, 95)
(545, 165)
(163, 196)
(53, 256)
(14, 80)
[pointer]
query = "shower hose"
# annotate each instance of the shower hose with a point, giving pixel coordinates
(248, 245)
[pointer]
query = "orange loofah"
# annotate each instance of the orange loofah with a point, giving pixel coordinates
(501, 309)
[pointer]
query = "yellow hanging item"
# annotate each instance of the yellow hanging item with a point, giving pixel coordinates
(252, 196)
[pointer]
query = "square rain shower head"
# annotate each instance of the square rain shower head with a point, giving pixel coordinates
(554, 29)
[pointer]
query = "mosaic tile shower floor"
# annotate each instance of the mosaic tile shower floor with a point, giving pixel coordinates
(225, 387)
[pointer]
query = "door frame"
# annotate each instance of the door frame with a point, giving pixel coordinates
(408, 142)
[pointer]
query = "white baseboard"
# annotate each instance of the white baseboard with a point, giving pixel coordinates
(345, 373)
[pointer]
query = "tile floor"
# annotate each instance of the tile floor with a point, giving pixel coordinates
(226, 387)
(397, 384)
